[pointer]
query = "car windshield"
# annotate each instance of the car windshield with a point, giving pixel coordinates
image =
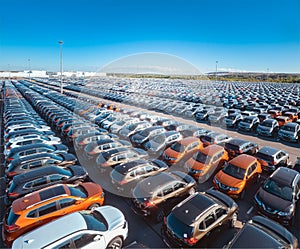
(247, 120)
(178, 147)
(230, 146)
(159, 139)
(201, 157)
(95, 221)
(234, 171)
(179, 227)
(78, 191)
(231, 117)
(288, 128)
(267, 124)
(144, 133)
(132, 127)
(282, 191)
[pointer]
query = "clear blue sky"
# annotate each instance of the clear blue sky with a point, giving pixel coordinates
(240, 34)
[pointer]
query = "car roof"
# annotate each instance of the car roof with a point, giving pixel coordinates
(243, 161)
(268, 150)
(237, 141)
(188, 211)
(188, 140)
(125, 167)
(284, 176)
(212, 149)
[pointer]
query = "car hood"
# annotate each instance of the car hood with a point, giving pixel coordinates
(228, 180)
(138, 137)
(273, 201)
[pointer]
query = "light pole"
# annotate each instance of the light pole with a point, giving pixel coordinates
(29, 68)
(216, 69)
(61, 85)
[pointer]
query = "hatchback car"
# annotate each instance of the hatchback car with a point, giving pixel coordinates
(196, 216)
(237, 146)
(278, 196)
(102, 227)
(43, 177)
(268, 127)
(272, 158)
(42, 206)
(156, 195)
(237, 175)
(116, 156)
(290, 132)
(126, 175)
(267, 234)
(181, 149)
(206, 161)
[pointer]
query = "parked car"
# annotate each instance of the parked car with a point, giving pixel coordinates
(215, 138)
(25, 132)
(206, 161)
(290, 132)
(43, 177)
(145, 135)
(195, 217)
(129, 130)
(156, 195)
(116, 156)
(263, 116)
(283, 120)
(237, 175)
(278, 196)
(232, 120)
(249, 123)
(40, 207)
(267, 234)
(237, 146)
(272, 158)
(126, 175)
(102, 227)
(268, 127)
(84, 139)
(181, 149)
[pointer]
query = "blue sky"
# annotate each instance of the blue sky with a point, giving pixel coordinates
(248, 35)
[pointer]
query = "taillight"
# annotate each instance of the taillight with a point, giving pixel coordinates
(11, 174)
(165, 220)
(8, 148)
(240, 151)
(81, 143)
(273, 162)
(148, 204)
(191, 241)
(12, 228)
(13, 194)
(9, 159)
(123, 182)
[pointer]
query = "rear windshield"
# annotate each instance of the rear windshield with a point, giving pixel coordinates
(230, 146)
(78, 191)
(201, 158)
(178, 147)
(264, 157)
(178, 226)
(95, 221)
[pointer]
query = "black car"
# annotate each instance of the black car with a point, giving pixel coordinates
(278, 196)
(196, 217)
(155, 196)
(28, 163)
(43, 177)
(237, 146)
(261, 232)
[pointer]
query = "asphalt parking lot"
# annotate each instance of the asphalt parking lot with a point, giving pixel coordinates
(147, 231)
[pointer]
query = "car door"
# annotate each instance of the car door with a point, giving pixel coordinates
(89, 241)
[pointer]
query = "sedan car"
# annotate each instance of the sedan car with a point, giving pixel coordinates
(156, 195)
(278, 196)
(196, 216)
(102, 227)
(40, 207)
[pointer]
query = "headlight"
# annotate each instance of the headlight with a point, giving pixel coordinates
(287, 212)
(233, 189)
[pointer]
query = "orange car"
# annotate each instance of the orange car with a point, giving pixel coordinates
(292, 115)
(40, 207)
(283, 120)
(181, 148)
(274, 113)
(204, 162)
(237, 174)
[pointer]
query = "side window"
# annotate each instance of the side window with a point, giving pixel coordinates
(140, 171)
(66, 202)
(64, 245)
(56, 177)
(167, 190)
(83, 239)
(219, 212)
(47, 209)
(149, 168)
(178, 185)
(40, 181)
(121, 157)
(209, 220)
(32, 214)
(201, 226)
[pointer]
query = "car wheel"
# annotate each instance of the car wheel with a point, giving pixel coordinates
(233, 220)
(160, 216)
(93, 206)
(116, 243)
(192, 191)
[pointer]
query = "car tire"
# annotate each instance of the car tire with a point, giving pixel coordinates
(116, 243)
(93, 206)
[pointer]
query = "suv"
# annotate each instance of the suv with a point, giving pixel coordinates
(265, 233)
(196, 216)
(278, 196)
(272, 158)
(290, 132)
(237, 146)
(215, 138)
(144, 135)
(249, 123)
(131, 129)
(102, 227)
(237, 175)
(268, 127)
(156, 195)
(181, 149)
(42, 206)
(232, 120)
(205, 162)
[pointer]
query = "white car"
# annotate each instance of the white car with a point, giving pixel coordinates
(103, 227)
(25, 126)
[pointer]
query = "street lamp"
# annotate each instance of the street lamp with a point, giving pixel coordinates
(61, 86)
(29, 68)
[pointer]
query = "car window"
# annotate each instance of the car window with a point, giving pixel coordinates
(83, 239)
(167, 190)
(209, 220)
(140, 171)
(219, 212)
(47, 209)
(56, 177)
(178, 185)
(64, 245)
(39, 182)
(252, 169)
(32, 214)
(192, 145)
(66, 202)
(150, 168)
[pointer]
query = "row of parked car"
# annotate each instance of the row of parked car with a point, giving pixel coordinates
(47, 189)
(163, 189)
